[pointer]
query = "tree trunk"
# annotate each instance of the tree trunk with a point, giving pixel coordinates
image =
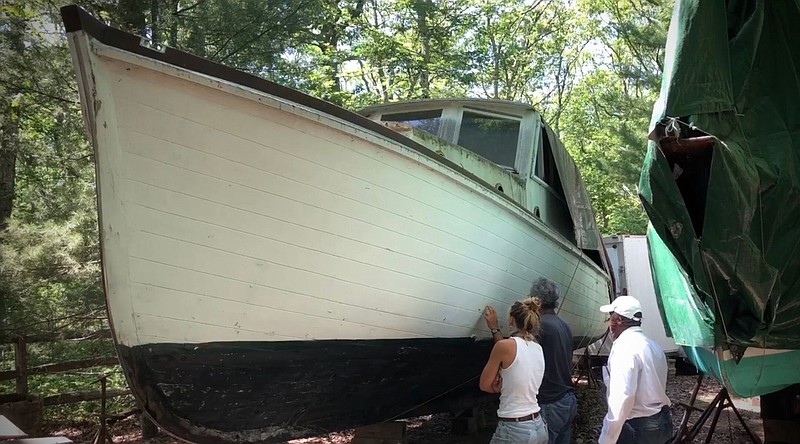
(154, 28)
(422, 7)
(173, 25)
(9, 138)
(495, 59)
(10, 122)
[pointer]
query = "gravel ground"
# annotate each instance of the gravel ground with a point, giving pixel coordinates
(439, 429)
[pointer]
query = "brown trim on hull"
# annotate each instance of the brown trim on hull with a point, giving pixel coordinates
(77, 19)
(691, 145)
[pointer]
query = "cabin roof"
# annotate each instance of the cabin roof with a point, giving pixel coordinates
(493, 105)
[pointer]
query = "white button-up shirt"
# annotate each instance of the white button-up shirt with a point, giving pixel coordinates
(636, 381)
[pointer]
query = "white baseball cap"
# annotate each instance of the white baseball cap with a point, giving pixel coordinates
(626, 306)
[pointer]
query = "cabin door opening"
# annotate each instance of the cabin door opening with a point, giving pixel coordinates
(689, 157)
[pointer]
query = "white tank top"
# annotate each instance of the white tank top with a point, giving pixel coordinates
(521, 380)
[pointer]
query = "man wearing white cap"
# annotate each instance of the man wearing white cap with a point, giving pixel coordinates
(636, 380)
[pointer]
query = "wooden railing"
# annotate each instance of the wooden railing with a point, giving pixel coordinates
(22, 371)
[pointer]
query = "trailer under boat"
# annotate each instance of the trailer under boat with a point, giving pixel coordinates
(277, 267)
(721, 186)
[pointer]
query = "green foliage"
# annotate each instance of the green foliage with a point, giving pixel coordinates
(49, 266)
(49, 256)
(598, 129)
(604, 120)
(515, 45)
(409, 49)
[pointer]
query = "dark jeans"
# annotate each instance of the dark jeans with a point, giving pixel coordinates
(656, 429)
(559, 416)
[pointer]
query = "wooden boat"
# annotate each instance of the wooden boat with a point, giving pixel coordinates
(278, 267)
(720, 185)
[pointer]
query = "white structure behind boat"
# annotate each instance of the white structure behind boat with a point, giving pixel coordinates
(629, 258)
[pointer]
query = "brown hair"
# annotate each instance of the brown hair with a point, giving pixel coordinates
(526, 317)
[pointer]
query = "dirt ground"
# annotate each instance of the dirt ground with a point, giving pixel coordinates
(440, 429)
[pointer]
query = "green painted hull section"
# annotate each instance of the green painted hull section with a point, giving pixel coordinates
(686, 317)
(691, 324)
(752, 375)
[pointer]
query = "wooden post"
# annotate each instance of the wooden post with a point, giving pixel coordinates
(149, 429)
(102, 436)
(21, 365)
(383, 433)
(465, 423)
(780, 413)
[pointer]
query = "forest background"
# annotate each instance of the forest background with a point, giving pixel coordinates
(591, 67)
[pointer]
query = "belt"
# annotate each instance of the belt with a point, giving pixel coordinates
(530, 417)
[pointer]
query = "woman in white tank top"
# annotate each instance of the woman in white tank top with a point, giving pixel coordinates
(515, 370)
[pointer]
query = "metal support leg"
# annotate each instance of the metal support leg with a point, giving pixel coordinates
(722, 401)
(682, 432)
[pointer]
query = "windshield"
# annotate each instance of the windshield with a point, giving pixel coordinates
(492, 137)
(427, 120)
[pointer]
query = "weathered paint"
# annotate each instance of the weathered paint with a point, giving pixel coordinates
(274, 391)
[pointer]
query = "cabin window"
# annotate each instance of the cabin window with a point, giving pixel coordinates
(428, 120)
(492, 137)
(545, 168)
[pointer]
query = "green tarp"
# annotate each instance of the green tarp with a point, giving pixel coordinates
(728, 214)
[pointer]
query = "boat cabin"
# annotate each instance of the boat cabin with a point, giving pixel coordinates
(506, 144)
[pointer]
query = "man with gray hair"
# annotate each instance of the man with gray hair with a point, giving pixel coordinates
(557, 394)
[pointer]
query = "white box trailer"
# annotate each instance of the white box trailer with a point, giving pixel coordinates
(630, 262)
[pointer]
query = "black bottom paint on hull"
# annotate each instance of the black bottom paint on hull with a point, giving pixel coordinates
(274, 391)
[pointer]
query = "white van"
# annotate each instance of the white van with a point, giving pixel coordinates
(630, 262)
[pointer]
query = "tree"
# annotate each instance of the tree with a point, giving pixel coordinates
(12, 49)
(410, 49)
(515, 46)
(604, 123)
(48, 245)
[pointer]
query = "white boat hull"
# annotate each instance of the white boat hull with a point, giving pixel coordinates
(225, 217)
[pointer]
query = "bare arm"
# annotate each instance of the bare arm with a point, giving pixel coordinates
(490, 376)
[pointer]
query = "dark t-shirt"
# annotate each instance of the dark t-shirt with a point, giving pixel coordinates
(555, 337)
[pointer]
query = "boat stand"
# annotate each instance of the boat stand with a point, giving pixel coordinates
(720, 402)
(585, 367)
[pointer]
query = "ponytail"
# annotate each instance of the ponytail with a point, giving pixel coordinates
(526, 317)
